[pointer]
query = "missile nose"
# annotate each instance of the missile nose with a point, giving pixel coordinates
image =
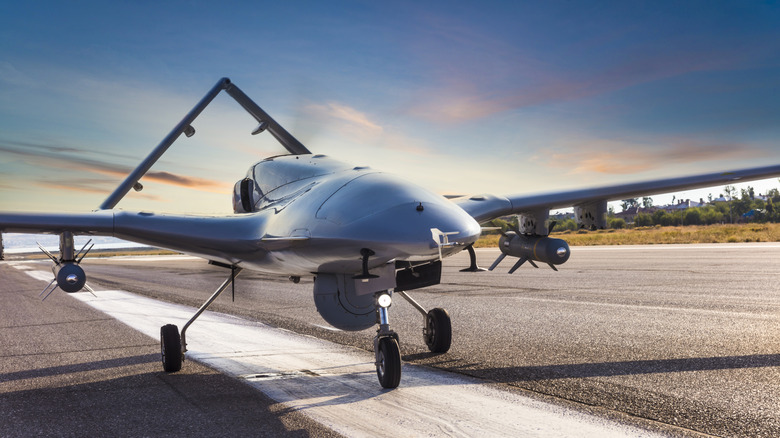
(70, 277)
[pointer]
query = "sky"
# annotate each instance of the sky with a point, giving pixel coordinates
(459, 97)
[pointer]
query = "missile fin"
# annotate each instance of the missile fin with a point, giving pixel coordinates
(518, 264)
(498, 260)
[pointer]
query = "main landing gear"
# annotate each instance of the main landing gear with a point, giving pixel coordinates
(437, 333)
(172, 345)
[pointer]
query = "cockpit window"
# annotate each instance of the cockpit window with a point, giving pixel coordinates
(277, 174)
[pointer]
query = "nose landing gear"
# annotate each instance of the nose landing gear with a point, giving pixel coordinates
(437, 333)
(386, 349)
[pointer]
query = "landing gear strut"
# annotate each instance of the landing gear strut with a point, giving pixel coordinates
(174, 346)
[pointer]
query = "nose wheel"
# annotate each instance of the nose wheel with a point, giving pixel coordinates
(388, 362)
(386, 350)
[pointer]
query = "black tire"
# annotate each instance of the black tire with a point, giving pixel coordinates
(170, 347)
(388, 364)
(438, 331)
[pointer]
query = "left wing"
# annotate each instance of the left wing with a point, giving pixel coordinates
(592, 202)
(228, 239)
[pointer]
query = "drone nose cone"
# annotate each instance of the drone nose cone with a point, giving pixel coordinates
(396, 218)
(414, 230)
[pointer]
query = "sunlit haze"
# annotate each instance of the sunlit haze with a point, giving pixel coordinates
(460, 97)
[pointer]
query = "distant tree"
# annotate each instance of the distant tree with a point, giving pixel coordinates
(568, 224)
(629, 203)
(731, 191)
(647, 202)
(741, 206)
(692, 217)
(643, 220)
(774, 195)
(677, 217)
(712, 216)
(498, 222)
(514, 223)
(617, 223)
(771, 213)
(660, 218)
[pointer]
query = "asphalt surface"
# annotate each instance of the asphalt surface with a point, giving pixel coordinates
(67, 370)
(684, 338)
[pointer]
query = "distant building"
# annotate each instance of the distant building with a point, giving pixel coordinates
(630, 214)
(562, 216)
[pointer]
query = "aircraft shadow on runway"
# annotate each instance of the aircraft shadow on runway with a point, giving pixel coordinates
(79, 367)
(146, 404)
(609, 369)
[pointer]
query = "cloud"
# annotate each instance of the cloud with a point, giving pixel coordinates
(87, 186)
(65, 158)
(348, 119)
(91, 186)
(465, 100)
(473, 75)
(53, 151)
(612, 157)
(361, 128)
(192, 182)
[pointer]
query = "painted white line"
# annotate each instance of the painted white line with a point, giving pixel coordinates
(337, 385)
(38, 275)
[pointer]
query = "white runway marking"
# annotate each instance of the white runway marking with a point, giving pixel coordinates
(337, 385)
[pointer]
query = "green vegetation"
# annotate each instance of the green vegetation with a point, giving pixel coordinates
(745, 208)
(759, 221)
(728, 233)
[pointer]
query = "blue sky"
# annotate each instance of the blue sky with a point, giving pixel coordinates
(461, 97)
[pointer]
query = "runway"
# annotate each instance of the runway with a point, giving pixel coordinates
(681, 336)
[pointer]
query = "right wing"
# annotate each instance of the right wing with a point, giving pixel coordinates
(486, 207)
